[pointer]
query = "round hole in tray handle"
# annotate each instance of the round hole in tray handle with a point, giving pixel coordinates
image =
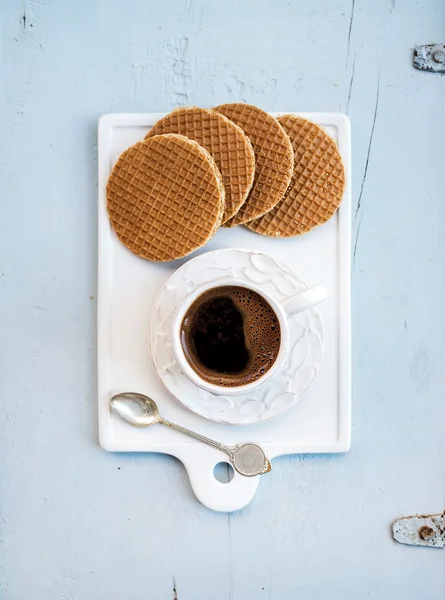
(223, 472)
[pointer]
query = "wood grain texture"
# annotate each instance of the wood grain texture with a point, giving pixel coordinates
(74, 518)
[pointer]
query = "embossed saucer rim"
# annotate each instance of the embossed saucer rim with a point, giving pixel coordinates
(183, 390)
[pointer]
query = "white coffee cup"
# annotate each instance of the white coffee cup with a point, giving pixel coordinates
(283, 310)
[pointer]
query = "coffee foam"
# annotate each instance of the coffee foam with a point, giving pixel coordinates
(260, 327)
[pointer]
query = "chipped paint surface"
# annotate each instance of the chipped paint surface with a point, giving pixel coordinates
(420, 530)
(82, 523)
(430, 58)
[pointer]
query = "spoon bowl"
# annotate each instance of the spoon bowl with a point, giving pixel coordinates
(135, 409)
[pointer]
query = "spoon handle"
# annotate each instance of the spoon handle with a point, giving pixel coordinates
(197, 436)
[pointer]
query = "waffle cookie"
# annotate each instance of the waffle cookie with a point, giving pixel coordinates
(274, 159)
(226, 142)
(165, 197)
(317, 184)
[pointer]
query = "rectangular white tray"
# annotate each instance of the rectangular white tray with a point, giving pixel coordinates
(127, 287)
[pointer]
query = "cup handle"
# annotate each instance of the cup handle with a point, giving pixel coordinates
(304, 300)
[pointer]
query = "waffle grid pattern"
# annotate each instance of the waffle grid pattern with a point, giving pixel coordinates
(317, 185)
(226, 142)
(165, 197)
(273, 159)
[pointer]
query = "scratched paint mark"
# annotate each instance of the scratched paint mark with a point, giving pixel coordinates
(29, 21)
(229, 529)
(395, 300)
(274, 93)
(240, 91)
(18, 101)
(179, 99)
(356, 239)
(271, 531)
(376, 108)
(37, 4)
(175, 590)
(136, 82)
(40, 307)
(237, 82)
(349, 32)
(183, 47)
(392, 10)
(180, 73)
(387, 241)
(351, 83)
(63, 586)
(420, 368)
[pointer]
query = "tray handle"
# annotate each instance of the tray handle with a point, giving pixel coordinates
(221, 497)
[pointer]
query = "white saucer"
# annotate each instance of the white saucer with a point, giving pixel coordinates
(305, 338)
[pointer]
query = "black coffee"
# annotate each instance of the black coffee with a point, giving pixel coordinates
(230, 336)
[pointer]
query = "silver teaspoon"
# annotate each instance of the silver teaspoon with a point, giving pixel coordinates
(138, 410)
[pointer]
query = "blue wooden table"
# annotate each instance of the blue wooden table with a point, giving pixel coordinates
(79, 523)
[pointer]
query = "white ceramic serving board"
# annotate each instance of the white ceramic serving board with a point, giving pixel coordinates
(127, 288)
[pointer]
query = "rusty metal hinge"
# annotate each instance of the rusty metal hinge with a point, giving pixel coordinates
(430, 58)
(420, 530)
